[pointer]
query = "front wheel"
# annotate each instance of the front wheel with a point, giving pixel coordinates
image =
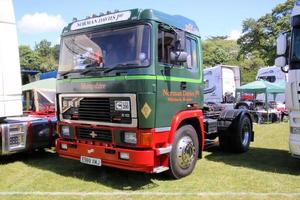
(185, 150)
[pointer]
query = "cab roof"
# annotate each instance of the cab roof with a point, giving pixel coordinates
(176, 21)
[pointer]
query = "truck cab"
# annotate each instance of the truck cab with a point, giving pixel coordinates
(288, 60)
(130, 92)
(220, 83)
(271, 74)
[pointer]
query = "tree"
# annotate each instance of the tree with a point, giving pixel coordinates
(55, 51)
(260, 35)
(219, 50)
(44, 57)
(250, 66)
(29, 59)
(44, 48)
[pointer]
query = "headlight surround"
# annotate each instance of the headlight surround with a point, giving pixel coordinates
(130, 137)
(66, 131)
(122, 105)
(17, 136)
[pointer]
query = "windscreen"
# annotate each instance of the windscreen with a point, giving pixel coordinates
(270, 79)
(106, 49)
(295, 49)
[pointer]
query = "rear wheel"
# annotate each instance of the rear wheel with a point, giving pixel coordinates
(239, 140)
(185, 150)
(224, 142)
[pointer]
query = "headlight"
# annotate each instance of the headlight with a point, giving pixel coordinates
(122, 106)
(130, 138)
(295, 130)
(66, 131)
(17, 136)
(17, 128)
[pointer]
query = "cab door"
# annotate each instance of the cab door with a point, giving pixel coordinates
(178, 83)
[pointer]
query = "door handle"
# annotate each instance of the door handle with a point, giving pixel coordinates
(182, 85)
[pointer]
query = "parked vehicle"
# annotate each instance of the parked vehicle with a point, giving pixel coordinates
(290, 56)
(18, 132)
(130, 95)
(10, 82)
(36, 128)
(271, 74)
(220, 83)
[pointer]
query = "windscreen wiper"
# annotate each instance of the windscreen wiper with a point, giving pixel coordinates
(122, 66)
(92, 67)
(69, 72)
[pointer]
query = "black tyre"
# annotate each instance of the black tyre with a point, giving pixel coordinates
(240, 140)
(224, 142)
(184, 154)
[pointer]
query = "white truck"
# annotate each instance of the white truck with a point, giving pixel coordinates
(17, 133)
(220, 83)
(272, 74)
(289, 61)
(12, 133)
(10, 75)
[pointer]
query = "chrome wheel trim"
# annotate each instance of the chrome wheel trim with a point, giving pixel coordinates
(186, 152)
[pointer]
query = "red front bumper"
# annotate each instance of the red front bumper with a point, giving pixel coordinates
(139, 160)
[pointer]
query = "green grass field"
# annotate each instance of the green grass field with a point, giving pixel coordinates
(267, 171)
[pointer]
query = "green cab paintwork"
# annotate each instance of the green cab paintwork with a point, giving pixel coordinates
(157, 86)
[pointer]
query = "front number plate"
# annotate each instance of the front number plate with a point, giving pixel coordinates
(90, 161)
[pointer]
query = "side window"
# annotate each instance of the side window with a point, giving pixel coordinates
(191, 49)
(166, 42)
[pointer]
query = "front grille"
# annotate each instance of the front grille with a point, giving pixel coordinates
(95, 109)
(92, 134)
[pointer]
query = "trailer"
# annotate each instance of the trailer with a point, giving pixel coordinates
(130, 95)
(220, 83)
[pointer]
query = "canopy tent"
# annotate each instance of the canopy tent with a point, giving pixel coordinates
(262, 86)
(40, 95)
(46, 75)
(281, 84)
(46, 84)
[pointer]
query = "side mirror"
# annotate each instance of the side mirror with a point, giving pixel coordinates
(281, 62)
(281, 44)
(178, 56)
(180, 40)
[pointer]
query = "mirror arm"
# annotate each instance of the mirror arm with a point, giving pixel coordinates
(283, 70)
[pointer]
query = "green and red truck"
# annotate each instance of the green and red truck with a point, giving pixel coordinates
(130, 94)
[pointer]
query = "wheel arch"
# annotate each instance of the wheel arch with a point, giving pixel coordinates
(245, 113)
(234, 117)
(191, 117)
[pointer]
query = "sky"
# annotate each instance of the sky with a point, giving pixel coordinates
(45, 19)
